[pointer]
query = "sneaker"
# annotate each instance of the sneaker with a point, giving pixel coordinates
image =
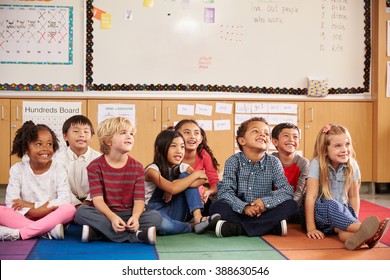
(147, 236)
(57, 232)
(365, 233)
(88, 234)
(226, 229)
(209, 224)
(9, 234)
(280, 229)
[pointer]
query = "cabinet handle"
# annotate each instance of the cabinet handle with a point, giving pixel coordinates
(169, 114)
(2, 112)
(17, 113)
(299, 114)
(311, 114)
(154, 113)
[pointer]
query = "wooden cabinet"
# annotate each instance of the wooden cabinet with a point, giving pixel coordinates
(355, 116)
(5, 140)
(147, 123)
(152, 116)
(379, 88)
(218, 139)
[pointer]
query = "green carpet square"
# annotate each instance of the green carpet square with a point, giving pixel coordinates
(193, 246)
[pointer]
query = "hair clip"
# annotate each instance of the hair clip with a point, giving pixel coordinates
(326, 128)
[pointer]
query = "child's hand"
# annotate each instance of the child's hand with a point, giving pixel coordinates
(19, 204)
(40, 212)
(132, 224)
(117, 224)
(201, 174)
(315, 234)
(259, 204)
(167, 197)
(207, 193)
(252, 211)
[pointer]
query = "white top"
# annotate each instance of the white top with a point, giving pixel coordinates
(77, 171)
(150, 186)
(50, 186)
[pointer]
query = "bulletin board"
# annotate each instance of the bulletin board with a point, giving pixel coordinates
(41, 45)
(256, 46)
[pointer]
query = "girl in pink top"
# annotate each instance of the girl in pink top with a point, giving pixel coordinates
(200, 157)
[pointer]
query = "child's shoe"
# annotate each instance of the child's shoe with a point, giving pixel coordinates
(209, 224)
(280, 229)
(89, 234)
(56, 233)
(225, 229)
(9, 234)
(147, 236)
(383, 227)
(366, 231)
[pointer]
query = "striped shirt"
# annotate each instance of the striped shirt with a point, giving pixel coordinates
(244, 181)
(119, 186)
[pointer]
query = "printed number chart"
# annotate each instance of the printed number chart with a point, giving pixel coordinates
(36, 34)
(52, 114)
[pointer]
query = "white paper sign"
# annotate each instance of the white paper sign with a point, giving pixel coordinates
(221, 125)
(239, 118)
(223, 108)
(205, 110)
(186, 110)
(206, 125)
(259, 108)
(52, 114)
(243, 108)
(106, 111)
(388, 80)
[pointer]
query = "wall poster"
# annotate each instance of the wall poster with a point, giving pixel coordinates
(36, 34)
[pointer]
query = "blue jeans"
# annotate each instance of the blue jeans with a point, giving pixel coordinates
(176, 213)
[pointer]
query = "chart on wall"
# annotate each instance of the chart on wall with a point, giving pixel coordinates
(42, 45)
(263, 46)
(36, 34)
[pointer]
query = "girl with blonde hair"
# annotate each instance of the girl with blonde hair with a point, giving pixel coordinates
(332, 201)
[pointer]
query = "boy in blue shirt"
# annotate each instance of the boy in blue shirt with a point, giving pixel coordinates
(254, 196)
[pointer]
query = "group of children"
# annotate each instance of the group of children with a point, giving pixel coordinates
(115, 198)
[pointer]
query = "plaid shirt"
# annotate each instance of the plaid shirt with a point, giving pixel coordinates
(244, 181)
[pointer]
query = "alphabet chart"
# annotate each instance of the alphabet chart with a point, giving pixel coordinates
(36, 34)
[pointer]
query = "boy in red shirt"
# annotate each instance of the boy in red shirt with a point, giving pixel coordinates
(116, 182)
(286, 139)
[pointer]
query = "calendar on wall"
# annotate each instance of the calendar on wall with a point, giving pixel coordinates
(52, 114)
(36, 34)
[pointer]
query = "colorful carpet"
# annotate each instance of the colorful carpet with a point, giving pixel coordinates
(295, 246)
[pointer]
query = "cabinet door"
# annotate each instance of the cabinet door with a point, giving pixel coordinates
(5, 140)
(53, 118)
(147, 122)
(355, 116)
(220, 138)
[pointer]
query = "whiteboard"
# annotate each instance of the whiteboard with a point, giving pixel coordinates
(41, 45)
(231, 45)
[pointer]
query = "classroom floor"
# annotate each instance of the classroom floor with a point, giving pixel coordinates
(380, 199)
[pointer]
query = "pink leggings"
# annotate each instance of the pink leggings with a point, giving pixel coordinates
(29, 228)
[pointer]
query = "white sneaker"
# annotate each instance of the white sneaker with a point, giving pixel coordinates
(147, 236)
(283, 226)
(9, 234)
(57, 232)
